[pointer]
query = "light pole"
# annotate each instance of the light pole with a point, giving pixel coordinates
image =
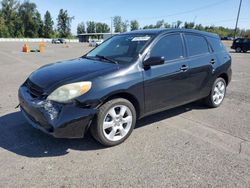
(238, 15)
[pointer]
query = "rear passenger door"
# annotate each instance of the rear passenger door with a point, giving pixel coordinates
(201, 64)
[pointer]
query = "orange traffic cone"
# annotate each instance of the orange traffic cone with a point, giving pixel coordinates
(26, 48)
(41, 47)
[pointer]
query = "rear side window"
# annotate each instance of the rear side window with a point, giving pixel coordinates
(169, 47)
(216, 44)
(246, 41)
(196, 45)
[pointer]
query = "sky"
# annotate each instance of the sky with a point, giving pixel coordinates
(212, 12)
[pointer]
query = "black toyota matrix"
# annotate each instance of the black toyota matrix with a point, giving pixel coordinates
(129, 76)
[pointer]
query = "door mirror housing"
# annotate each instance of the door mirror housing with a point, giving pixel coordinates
(151, 61)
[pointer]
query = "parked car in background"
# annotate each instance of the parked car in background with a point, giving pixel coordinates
(227, 38)
(241, 44)
(59, 41)
(95, 42)
(62, 41)
(55, 41)
(129, 76)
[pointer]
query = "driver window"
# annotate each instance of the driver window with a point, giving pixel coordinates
(170, 47)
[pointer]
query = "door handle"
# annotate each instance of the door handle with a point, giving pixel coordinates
(184, 68)
(212, 61)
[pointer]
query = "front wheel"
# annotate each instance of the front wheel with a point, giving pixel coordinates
(217, 93)
(114, 123)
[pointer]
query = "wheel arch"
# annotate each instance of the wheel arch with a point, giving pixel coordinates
(130, 97)
(225, 77)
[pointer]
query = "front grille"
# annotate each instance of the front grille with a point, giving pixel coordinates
(34, 90)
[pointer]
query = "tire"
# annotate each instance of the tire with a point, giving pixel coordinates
(217, 94)
(238, 49)
(119, 117)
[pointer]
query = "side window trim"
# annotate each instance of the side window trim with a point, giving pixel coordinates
(184, 54)
(195, 34)
(184, 44)
(210, 47)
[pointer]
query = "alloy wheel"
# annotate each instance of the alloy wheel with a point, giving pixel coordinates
(219, 92)
(117, 122)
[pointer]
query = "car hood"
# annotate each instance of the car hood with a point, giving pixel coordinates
(60, 73)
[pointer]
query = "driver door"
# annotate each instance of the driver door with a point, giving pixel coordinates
(167, 85)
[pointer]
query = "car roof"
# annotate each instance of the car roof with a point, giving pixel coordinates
(170, 30)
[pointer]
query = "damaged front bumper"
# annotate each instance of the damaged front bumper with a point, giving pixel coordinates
(59, 120)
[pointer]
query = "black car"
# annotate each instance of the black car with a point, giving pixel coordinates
(127, 77)
(241, 44)
(62, 41)
(58, 41)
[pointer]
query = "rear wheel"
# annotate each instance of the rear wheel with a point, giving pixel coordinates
(115, 122)
(238, 49)
(217, 93)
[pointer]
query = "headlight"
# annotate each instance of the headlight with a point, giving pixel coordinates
(70, 91)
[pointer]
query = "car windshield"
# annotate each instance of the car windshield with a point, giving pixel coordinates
(121, 48)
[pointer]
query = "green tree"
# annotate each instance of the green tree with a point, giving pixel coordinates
(159, 24)
(9, 15)
(117, 24)
(134, 25)
(48, 25)
(102, 28)
(105, 28)
(91, 27)
(178, 24)
(64, 23)
(189, 25)
(125, 26)
(30, 17)
(3, 28)
(81, 28)
(151, 26)
(167, 25)
(39, 24)
(199, 27)
(98, 27)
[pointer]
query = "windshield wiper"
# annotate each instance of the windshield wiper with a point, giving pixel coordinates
(107, 59)
(87, 57)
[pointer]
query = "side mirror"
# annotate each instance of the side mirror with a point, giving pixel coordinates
(151, 61)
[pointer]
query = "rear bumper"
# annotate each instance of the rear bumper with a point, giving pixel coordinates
(58, 120)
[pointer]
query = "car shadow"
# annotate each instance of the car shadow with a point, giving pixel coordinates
(19, 137)
(198, 105)
(234, 52)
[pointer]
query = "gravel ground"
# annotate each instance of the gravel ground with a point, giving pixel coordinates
(189, 146)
